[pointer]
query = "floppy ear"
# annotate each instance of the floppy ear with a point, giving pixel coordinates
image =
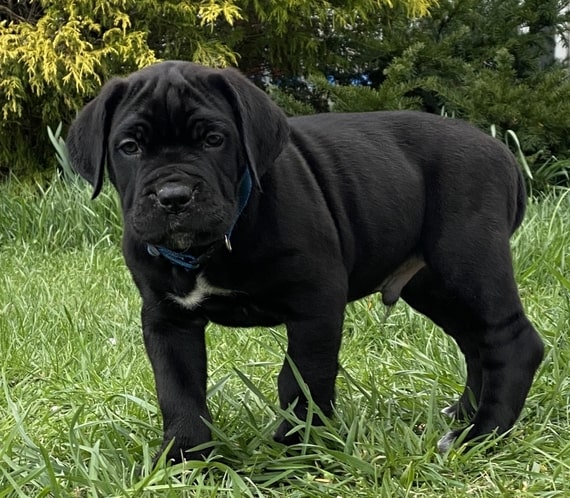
(87, 137)
(262, 124)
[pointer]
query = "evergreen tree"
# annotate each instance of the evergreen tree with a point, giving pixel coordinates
(488, 61)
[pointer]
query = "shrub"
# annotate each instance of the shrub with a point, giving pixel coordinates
(55, 54)
(487, 61)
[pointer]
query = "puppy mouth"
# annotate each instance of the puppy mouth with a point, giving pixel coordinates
(180, 240)
(196, 226)
(177, 238)
(179, 212)
(182, 244)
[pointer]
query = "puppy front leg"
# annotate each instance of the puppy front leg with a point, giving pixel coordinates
(313, 347)
(175, 344)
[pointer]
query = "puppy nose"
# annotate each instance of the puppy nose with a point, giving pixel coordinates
(174, 197)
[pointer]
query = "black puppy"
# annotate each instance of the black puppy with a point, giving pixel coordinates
(234, 214)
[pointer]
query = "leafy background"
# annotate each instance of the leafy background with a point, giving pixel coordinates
(488, 61)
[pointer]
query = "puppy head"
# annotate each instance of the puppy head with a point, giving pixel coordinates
(177, 138)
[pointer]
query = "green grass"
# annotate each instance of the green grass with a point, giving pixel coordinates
(78, 414)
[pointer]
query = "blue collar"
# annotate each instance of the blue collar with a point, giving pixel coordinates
(190, 262)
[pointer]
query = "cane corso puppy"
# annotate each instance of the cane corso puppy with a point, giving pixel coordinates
(235, 215)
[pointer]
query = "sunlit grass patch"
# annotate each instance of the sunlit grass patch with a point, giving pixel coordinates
(78, 411)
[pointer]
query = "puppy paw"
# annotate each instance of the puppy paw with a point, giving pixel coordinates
(447, 441)
(450, 411)
(178, 453)
(283, 436)
(461, 410)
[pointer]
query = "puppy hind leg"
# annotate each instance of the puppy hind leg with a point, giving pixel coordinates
(465, 407)
(509, 359)
(426, 295)
(509, 347)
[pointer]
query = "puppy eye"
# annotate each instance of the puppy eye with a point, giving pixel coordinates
(129, 147)
(213, 140)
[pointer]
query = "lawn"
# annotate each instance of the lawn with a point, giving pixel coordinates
(78, 411)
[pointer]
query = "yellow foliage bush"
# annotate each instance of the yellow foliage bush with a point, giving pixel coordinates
(55, 54)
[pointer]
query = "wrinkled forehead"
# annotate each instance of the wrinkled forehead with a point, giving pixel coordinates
(169, 100)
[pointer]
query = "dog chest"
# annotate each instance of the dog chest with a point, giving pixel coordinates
(199, 293)
(227, 307)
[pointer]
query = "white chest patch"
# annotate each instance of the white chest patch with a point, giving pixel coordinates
(201, 290)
